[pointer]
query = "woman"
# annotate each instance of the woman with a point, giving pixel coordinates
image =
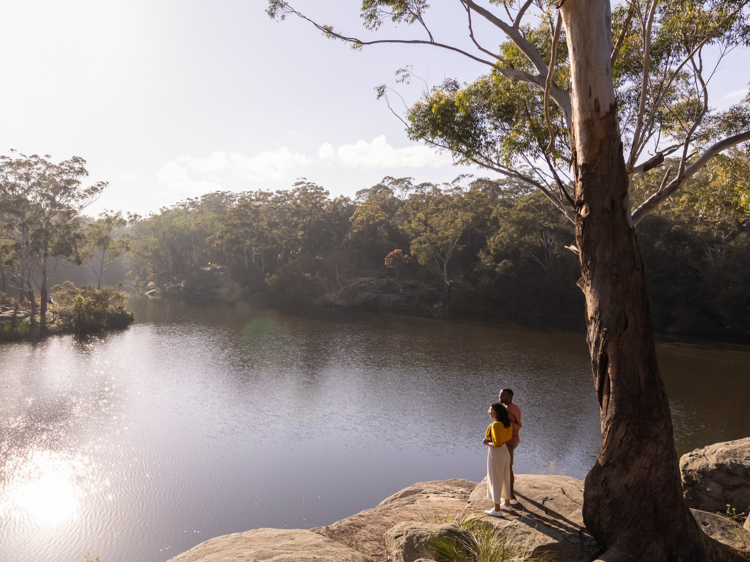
(498, 459)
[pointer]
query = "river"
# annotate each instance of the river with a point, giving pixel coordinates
(199, 421)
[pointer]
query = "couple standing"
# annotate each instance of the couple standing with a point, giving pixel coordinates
(502, 438)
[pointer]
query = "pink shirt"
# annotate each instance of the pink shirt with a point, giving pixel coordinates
(515, 410)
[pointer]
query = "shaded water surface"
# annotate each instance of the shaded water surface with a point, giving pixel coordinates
(203, 421)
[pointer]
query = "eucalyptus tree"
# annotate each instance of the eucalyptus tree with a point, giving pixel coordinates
(436, 221)
(41, 202)
(376, 222)
(104, 241)
(607, 87)
(534, 228)
(243, 235)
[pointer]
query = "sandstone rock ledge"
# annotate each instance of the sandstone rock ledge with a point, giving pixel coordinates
(271, 545)
(548, 521)
(416, 503)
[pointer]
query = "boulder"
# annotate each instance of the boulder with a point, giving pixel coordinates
(366, 300)
(418, 502)
(747, 523)
(716, 476)
(324, 301)
(230, 292)
(10, 314)
(724, 530)
(548, 518)
(271, 545)
(410, 541)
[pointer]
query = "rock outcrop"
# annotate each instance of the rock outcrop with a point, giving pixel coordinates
(413, 504)
(548, 519)
(368, 293)
(411, 541)
(724, 530)
(717, 476)
(8, 313)
(547, 522)
(271, 545)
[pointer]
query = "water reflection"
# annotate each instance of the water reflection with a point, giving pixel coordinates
(45, 486)
(201, 421)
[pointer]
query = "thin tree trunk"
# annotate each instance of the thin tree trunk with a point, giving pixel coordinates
(32, 299)
(43, 297)
(101, 272)
(633, 495)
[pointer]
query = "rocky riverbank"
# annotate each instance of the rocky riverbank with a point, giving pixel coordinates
(548, 520)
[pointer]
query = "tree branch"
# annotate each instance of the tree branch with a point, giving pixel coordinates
(634, 148)
(655, 160)
(476, 43)
(561, 97)
(548, 84)
(521, 12)
(652, 202)
(621, 38)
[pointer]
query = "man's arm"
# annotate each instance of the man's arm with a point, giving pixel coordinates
(515, 420)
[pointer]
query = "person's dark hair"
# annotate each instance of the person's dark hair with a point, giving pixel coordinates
(501, 414)
(508, 390)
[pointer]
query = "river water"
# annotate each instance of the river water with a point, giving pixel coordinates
(200, 421)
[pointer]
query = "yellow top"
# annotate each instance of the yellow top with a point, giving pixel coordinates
(499, 433)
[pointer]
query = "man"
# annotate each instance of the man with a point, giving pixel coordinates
(514, 413)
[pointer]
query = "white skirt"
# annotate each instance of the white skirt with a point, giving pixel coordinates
(498, 473)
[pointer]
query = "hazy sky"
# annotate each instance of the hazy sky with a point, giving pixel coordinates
(169, 99)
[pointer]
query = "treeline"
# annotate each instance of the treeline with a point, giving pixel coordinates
(479, 247)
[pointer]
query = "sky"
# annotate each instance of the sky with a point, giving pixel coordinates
(170, 99)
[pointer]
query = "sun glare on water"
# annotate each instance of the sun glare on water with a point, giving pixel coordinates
(44, 486)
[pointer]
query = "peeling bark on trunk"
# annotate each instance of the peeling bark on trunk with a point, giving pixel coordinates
(633, 496)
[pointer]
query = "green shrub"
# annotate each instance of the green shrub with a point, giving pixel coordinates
(90, 310)
(19, 332)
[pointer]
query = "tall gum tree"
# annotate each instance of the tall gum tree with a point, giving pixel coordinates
(633, 496)
(39, 205)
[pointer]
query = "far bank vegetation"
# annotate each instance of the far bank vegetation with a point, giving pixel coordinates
(470, 247)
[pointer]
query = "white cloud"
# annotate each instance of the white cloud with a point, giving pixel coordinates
(221, 170)
(176, 177)
(327, 153)
(736, 94)
(378, 154)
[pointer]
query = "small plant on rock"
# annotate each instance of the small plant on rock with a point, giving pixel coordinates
(486, 544)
